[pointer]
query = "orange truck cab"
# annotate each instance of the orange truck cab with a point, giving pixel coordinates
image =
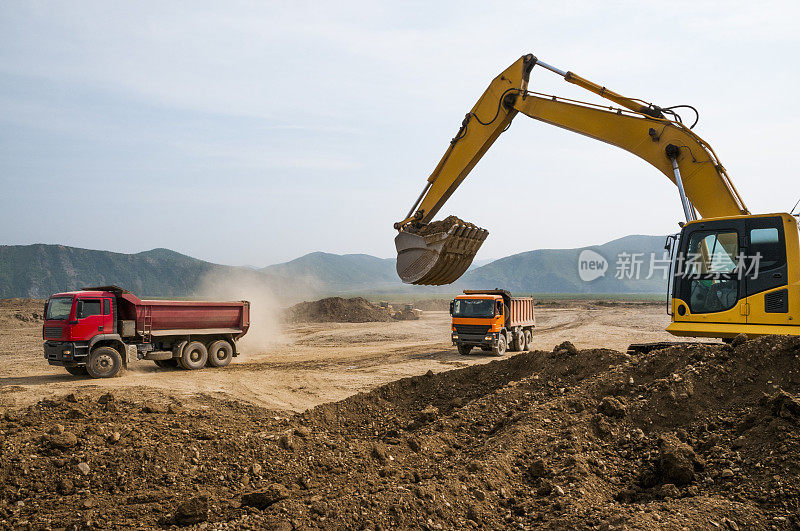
(492, 320)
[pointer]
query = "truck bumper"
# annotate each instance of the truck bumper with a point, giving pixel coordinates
(65, 353)
(475, 340)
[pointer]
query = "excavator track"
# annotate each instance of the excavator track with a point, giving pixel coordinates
(646, 348)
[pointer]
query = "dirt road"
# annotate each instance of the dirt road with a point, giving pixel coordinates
(314, 363)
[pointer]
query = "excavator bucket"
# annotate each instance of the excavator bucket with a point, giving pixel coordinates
(437, 258)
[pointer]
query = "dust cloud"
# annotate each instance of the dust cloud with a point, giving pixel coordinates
(265, 311)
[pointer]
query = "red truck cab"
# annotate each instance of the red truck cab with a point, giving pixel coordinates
(89, 331)
(492, 320)
(72, 320)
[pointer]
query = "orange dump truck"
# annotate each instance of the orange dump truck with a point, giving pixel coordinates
(492, 320)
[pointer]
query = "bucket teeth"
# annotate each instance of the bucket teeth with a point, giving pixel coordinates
(439, 258)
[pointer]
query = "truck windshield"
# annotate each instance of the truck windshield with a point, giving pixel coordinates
(58, 308)
(473, 308)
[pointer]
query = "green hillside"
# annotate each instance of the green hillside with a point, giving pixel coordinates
(40, 270)
(556, 270)
(336, 272)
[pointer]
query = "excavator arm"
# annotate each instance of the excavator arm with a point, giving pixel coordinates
(440, 257)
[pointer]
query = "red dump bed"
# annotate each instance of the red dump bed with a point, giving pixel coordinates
(163, 318)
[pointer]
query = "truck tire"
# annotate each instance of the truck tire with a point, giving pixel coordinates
(517, 342)
(464, 350)
(104, 362)
(528, 339)
(194, 356)
(220, 353)
(499, 348)
(167, 364)
(78, 370)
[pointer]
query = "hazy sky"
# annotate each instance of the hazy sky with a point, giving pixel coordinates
(252, 133)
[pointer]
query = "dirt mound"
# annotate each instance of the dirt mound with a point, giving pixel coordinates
(443, 225)
(25, 310)
(685, 437)
(336, 310)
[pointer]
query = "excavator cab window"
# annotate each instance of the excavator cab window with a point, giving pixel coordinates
(726, 261)
(766, 254)
(766, 244)
(711, 270)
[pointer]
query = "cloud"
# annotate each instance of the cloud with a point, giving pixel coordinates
(330, 116)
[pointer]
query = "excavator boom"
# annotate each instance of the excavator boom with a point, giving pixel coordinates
(429, 257)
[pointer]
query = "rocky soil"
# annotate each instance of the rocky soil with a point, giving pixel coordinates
(16, 311)
(336, 310)
(443, 225)
(686, 437)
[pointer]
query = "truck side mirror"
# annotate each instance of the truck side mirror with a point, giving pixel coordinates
(452, 304)
(79, 310)
(499, 308)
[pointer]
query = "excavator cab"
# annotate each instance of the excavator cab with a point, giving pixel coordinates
(736, 275)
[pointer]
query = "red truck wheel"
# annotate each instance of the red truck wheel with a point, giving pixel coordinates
(220, 353)
(104, 362)
(194, 356)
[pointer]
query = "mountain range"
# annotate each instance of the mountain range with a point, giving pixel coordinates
(39, 270)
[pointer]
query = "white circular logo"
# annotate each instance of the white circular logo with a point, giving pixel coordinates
(591, 265)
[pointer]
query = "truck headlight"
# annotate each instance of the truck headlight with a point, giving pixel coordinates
(455, 336)
(488, 338)
(66, 352)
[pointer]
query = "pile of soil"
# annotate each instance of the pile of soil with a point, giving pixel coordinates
(685, 437)
(25, 310)
(336, 310)
(443, 225)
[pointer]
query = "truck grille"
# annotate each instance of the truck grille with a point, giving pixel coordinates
(477, 330)
(52, 332)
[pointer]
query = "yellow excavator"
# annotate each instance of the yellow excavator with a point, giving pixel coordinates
(731, 272)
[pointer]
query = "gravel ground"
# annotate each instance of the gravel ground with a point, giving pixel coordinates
(682, 438)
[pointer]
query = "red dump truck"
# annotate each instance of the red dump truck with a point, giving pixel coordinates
(90, 331)
(492, 320)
